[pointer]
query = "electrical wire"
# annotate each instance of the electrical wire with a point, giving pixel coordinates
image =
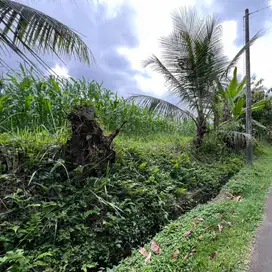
(256, 11)
(253, 12)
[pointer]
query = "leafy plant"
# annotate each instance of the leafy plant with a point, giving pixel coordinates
(214, 236)
(231, 103)
(192, 60)
(233, 97)
(28, 102)
(76, 223)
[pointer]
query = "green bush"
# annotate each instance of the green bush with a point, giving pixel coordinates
(52, 220)
(213, 236)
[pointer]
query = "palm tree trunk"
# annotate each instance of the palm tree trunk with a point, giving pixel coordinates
(216, 118)
(226, 113)
(201, 129)
(215, 111)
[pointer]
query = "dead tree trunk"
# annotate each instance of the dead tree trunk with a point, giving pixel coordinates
(88, 145)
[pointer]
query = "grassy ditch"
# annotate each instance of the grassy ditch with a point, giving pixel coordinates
(214, 236)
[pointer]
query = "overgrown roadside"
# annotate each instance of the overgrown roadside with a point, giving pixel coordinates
(53, 219)
(215, 236)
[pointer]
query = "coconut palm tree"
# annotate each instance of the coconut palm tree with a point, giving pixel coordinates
(192, 59)
(26, 30)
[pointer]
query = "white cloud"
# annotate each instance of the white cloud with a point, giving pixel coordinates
(61, 71)
(156, 22)
(261, 56)
(153, 20)
(112, 6)
(230, 48)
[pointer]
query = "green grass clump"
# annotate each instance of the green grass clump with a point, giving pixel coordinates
(221, 231)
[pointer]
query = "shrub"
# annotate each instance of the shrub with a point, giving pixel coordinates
(53, 220)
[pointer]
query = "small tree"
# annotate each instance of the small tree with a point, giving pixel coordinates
(232, 108)
(192, 60)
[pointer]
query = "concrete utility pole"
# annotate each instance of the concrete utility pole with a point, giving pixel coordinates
(249, 151)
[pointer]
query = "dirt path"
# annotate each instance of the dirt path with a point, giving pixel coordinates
(261, 260)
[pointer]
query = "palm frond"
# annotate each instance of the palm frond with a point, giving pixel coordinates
(161, 107)
(27, 29)
(258, 124)
(236, 137)
(174, 84)
(192, 55)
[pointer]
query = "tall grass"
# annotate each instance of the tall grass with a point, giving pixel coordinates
(29, 102)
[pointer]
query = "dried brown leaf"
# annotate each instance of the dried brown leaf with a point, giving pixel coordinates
(186, 256)
(175, 254)
(186, 234)
(237, 198)
(200, 236)
(148, 258)
(155, 247)
(143, 251)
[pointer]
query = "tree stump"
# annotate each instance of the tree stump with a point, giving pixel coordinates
(88, 145)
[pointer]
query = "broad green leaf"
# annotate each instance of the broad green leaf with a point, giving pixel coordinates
(45, 254)
(258, 105)
(241, 85)
(232, 89)
(238, 107)
(85, 266)
(258, 124)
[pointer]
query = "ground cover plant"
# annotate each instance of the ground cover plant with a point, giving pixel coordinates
(52, 218)
(214, 236)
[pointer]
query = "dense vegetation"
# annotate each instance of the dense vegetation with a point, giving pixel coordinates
(30, 103)
(53, 220)
(56, 215)
(221, 231)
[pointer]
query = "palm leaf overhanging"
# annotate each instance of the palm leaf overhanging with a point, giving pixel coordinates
(192, 60)
(25, 29)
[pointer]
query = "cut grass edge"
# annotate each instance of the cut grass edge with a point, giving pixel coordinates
(216, 236)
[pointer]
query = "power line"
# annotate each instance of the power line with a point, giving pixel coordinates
(253, 12)
(256, 11)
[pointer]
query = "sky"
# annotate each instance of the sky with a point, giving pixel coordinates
(123, 33)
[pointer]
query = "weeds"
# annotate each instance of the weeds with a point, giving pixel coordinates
(212, 237)
(51, 220)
